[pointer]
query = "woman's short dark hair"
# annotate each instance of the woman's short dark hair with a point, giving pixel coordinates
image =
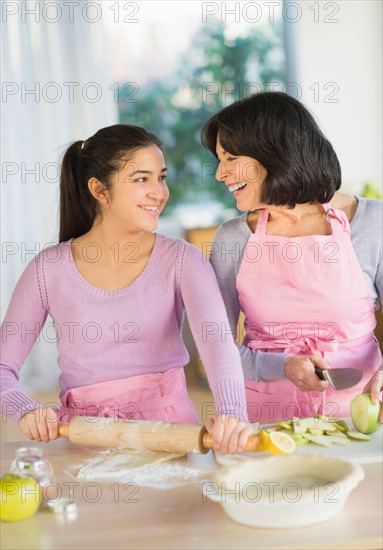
(281, 134)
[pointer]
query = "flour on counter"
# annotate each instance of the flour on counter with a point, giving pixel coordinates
(154, 469)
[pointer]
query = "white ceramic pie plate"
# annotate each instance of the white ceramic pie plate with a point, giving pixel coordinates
(284, 491)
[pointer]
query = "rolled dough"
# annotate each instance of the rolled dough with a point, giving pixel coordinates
(111, 463)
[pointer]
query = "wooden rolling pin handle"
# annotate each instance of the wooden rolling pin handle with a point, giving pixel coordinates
(251, 445)
(64, 430)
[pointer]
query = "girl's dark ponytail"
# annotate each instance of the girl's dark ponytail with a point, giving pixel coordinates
(97, 157)
(77, 205)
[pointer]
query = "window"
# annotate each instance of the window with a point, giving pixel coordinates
(187, 65)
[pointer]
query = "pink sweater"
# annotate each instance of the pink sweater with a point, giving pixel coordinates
(105, 335)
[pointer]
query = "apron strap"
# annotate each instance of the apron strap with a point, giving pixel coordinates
(341, 224)
(262, 221)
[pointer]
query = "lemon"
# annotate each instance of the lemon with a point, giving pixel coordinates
(263, 440)
(280, 443)
(275, 443)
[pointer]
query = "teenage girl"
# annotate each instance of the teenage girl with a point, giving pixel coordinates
(116, 293)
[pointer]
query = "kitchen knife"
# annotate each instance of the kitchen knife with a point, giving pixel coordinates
(340, 379)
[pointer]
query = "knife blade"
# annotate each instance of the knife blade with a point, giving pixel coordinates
(340, 379)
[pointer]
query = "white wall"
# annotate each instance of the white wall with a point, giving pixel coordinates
(41, 55)
(347, 53)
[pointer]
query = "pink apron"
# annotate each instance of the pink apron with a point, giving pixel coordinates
(306, 295)
(159, 396)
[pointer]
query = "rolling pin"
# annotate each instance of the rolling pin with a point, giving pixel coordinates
(142, 434)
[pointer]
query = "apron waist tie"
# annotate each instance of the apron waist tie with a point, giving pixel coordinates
(306, 345)
(125, 398)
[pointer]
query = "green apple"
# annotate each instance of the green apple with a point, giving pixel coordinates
(364, 414)
(19, 497)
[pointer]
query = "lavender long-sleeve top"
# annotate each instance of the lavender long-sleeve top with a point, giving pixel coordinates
(105, 335)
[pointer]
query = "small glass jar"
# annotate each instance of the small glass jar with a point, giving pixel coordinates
(30, 462)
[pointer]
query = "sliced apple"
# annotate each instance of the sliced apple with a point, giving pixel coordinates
(358, 436)
(338, 434)
(285, 425)
(328, 426)
(339, 440)
(322, 440)
(317, 424)
(293, 435)
(342, 426)
(299, 441)
(298, 429)
(316, 431)
(325, 418)
(310, 422)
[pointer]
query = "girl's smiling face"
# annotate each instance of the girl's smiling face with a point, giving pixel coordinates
(244, 176)
(139, 192)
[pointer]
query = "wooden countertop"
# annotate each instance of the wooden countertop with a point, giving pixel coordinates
(111, 516)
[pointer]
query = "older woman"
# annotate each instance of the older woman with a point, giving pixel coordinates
(303, 262)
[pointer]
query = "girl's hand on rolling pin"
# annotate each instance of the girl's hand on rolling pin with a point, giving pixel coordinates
(41, 424)
(230, 434)
(375, 387)
(299, 369)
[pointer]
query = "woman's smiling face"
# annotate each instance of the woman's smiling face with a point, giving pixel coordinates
(244, 176)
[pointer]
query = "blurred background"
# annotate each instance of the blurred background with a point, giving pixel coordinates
(72, 67)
